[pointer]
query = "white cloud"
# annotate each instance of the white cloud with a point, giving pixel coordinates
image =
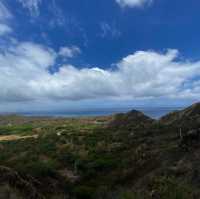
(109, 30)
(24, 75)
(57, 15)
(32, 6)
(4, 12)
(69, 52)
(133, 3)
(19, 65)
(5, 16)
(4, 29)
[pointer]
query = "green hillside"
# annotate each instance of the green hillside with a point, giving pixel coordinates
(127, 156)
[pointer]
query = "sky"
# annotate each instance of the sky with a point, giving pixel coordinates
(75, 54)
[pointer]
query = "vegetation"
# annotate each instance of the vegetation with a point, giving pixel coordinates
(129, 156)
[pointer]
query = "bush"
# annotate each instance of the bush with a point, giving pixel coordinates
(128, 195)
(41, 169)
(84, 192)
(171, 188)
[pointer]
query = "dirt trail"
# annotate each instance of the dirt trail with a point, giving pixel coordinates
(16, 137)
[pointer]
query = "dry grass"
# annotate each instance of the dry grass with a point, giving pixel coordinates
(16, 137)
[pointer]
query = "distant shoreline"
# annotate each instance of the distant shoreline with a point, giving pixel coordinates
(154, 112)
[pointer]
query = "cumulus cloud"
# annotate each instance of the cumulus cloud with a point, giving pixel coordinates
(24, 75)
(32, 6)
(19, 65)
(69, 52)
(133, 3)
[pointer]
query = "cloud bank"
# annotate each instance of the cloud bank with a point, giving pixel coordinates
(133, 3)
(24, 75)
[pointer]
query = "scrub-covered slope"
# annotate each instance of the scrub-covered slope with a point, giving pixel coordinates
(126, 156)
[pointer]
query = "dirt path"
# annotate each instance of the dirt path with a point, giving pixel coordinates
(16, 137)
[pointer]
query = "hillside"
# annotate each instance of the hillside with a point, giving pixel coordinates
(187, 118)
(128, 156)
(131, 120)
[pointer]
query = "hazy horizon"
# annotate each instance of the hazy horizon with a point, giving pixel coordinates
(154, 112)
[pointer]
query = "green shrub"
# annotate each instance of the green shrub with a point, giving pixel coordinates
(40, 168)
(128, 195)
(171, 188)
(84, 192)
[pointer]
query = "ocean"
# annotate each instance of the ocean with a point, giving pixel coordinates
(153, 112)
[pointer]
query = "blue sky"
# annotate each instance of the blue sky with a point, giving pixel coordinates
(57, 54)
